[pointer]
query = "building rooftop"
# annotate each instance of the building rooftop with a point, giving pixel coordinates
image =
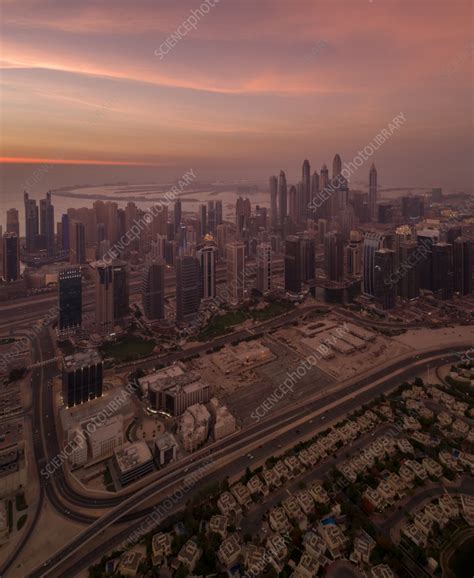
(81, 359)
(132, 455)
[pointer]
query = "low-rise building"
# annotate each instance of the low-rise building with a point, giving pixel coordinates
(433, 468)
(278, 520)
(241, 494)
(189, 555)
(229, 551)
(132, 461)
(218, 524)
(129, 563)
(363, 546)
(256, 487)
(161, 546)
(228, 505)
(165, 449)
(333, 538)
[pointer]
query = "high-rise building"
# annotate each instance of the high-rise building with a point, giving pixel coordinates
(218, 213)
(121, 289)
(372, 243)
(207, 256)
(442, 270)
(153, 290)
(408, 270)
(13, 222)
(65, 243)
(47, 222)
(373, 192)
(336, 166)
(242, 214)
(104, 297)
(413, 208)
(293, 205)
(323, 208)
(273, 201)
(293, 264)
(31, 222)
(221, 240)
(11, 257)
(188, 288)
(314, 185)
(235, 256)
(211, 217)
(426, 238)
(70, 298)
(385, 291)
(306, 189)
(264, 267)
(159, 225)
(334, 256)
(77, 243)
(308, 262)
(463, 258)
(282, 200)
(82, 378)
(202, 220)
(354, 259)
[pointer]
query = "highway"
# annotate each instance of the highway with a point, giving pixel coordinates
(263, 436)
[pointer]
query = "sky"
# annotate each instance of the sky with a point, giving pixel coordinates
(256, 86)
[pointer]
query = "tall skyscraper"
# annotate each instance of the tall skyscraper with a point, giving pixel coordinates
(336, 166)
(426, 238)
(31, 222)
(314, 185)
(293, 206)
(159, 225)
(242, 214)
(373, 192)
(65, 244)
(409, 270)
(463, 258)
(306, 192)
(202, 220)
(442, 270)
(282, 200)
(218, 213)
(104, 297)
(70, 298)
(188, 288)
(372, 243)
(121, 289)
(292, 264)
(273, 201)
(207, 256)
(77, 249)
(153, 290)
(211, 217)
(47, 222)
(334, 256)
(264, 267)
(308, 260)
(13, 223)
(221, 240)
(354, 259)
(385, 292)
(11, 257)
(235, 256)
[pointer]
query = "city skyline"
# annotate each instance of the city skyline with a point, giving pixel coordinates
(266, 97)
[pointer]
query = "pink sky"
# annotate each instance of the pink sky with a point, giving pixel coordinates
(248, 87)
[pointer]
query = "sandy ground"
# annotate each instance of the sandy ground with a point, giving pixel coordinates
(425, 338)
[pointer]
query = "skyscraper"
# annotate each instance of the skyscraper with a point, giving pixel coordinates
(104, 297)
(426, 238)
(11, 257)
(314, 185)
(82, 377)
(235, 255)
(373, 192)
(306, 196)
(202, 220)
(218, 213)
(242, 214)
(282, 200)
(188, 288)
(31, 222)
(13, 223)
(77, 249)
(153, 290)
(121, 289)
(65, 244)
(409, 270)
(273, 201)
(207, 256)
(334, 256)
(292, 264)
(442, 270)
(336, 166)
(372, 243)
(293, 206)
(308, 260)
(47, 222)
(463, 258)
(385, 292)
(264, 267)
(70, 298)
